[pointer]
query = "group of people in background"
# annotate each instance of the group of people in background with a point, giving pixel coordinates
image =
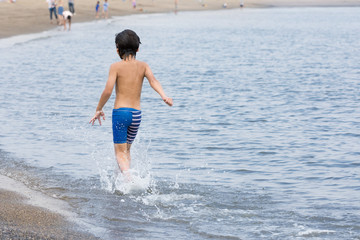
(64, 16)
(56, 8)
(105, 9)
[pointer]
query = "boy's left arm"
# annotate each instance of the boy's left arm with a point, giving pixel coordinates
(155, 84)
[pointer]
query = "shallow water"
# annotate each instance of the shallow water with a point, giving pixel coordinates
(262, 143)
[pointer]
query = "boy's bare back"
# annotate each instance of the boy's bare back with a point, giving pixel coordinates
(128, 77)
(128, 84)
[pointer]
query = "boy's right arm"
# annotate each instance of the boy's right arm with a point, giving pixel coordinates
(155, 84)
(105, 95)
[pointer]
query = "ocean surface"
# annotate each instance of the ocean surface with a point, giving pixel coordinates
(263, 140)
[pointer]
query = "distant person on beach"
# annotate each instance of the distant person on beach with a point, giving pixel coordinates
(71, 6)
(127, 76)
(60, 12)
(133, 4)
(97, 8)
(67, 15)
(52, 9)
(105, 12)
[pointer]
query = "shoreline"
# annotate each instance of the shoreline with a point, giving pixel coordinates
(28, 214)
(32, 16)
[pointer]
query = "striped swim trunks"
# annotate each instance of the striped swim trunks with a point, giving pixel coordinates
(125, 124)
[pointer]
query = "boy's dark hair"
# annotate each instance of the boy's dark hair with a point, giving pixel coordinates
(127, 42)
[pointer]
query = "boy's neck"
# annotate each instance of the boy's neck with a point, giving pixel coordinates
(129, 58)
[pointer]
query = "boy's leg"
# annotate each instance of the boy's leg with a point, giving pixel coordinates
(125, 125)
(123, 158)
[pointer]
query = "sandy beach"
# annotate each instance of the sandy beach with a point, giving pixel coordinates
(27, 214)
(31, 16)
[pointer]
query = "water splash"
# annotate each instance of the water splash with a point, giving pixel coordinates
(137, 180)
(132, 183)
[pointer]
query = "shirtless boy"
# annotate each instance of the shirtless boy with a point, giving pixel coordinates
(127, 76)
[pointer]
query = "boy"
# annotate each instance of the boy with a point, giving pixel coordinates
(127, 76)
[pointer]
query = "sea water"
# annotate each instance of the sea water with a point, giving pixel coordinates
(263, 140)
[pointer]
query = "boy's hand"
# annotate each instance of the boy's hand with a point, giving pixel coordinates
(168, 101)
(98, 116)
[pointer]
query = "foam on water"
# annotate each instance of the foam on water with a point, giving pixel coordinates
(138, 179)
(167, 200)
(131, 183)
(310, 233)
(25, 38)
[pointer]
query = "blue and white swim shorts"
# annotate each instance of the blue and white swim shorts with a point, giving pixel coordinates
(125, 124)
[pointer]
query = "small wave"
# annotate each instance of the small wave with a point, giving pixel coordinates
(349, 134)
(21, 39)
(314, 233)
(256, 120)
(167, 199)
(216, 236)
(267, 153)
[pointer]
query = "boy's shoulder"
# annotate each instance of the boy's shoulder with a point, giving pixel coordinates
(123, 63)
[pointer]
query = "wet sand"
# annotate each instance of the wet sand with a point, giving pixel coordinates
(19, 220)
(31, 16)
